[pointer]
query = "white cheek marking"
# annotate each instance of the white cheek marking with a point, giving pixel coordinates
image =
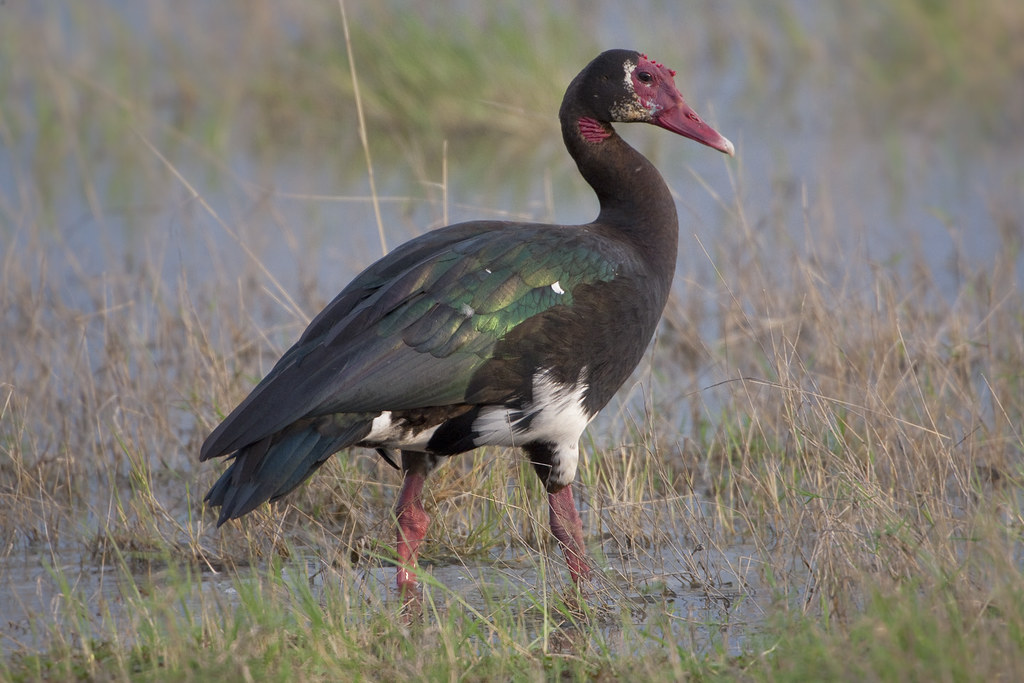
(650, 106)
(557, 287)
(629, 67)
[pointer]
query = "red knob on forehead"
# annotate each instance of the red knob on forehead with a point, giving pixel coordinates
(658, 65)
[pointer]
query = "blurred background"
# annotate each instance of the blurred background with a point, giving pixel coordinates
(895, 125)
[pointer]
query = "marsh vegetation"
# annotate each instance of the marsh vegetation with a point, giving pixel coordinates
(816, 472)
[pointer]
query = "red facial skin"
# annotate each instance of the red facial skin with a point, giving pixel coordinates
(656, 92)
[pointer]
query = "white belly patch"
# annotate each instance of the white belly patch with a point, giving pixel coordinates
(555, 416)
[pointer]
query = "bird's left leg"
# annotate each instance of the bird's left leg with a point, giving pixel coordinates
(412, 518)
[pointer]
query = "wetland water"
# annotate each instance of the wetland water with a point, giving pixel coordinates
(808, 155)
(717, 593)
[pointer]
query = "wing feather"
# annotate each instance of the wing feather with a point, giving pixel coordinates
(413, 328)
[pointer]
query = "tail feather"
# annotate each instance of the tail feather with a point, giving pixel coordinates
(274, 466)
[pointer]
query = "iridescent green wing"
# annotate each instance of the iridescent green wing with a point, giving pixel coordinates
(412, 329)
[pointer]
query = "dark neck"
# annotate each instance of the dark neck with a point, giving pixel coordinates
(635, 202)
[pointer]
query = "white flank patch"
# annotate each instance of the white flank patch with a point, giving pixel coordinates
(380, 428)
(558, 419)
(468, 311)
(557, 287)
(385, 432)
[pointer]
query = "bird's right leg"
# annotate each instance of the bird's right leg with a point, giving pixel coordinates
(566, 525)
(412, 518)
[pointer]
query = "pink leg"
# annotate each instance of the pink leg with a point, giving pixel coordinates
(412, 521)
(568, 529)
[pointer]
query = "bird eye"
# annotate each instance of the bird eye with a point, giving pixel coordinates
(645, 77)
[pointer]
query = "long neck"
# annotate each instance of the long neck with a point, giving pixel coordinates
(635, 202)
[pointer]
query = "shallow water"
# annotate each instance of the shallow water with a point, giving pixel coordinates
(80, 597)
